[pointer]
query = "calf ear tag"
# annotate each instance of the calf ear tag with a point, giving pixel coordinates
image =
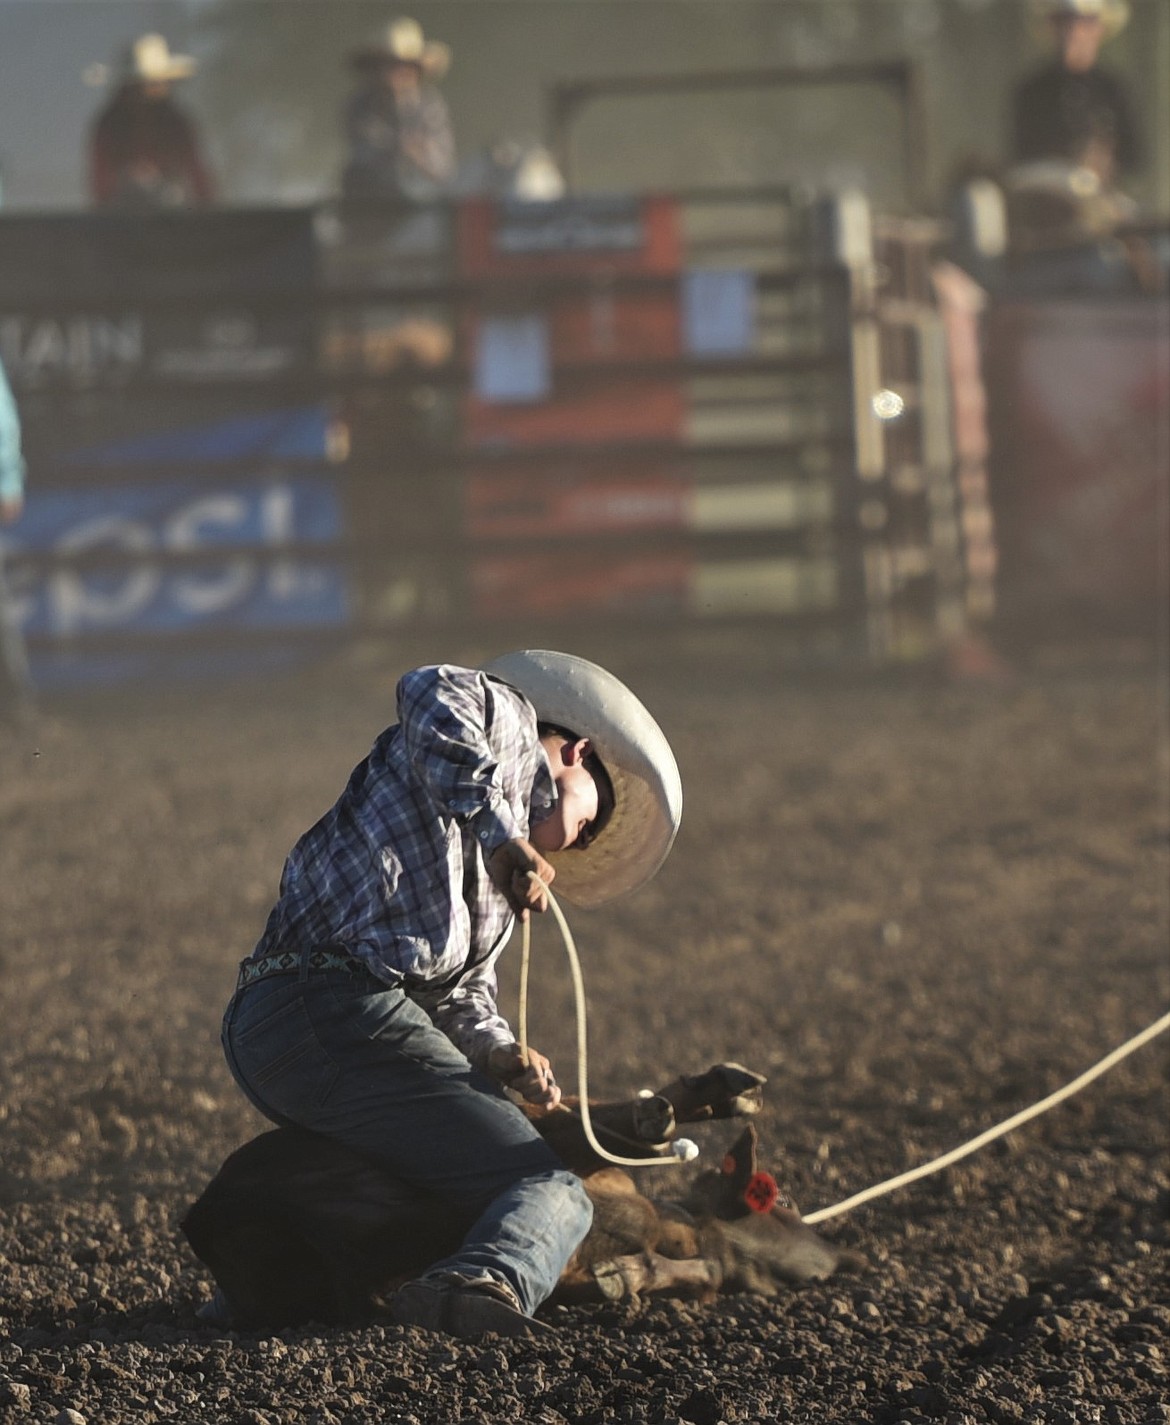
(761, 1193)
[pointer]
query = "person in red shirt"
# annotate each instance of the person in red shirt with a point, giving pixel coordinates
(143, 149)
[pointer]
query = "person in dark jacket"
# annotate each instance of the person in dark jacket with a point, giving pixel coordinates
(398, 130)
(1072, 109)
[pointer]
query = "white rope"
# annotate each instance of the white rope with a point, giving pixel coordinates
(685, 1150)
(937, 1164)
(682, 1149)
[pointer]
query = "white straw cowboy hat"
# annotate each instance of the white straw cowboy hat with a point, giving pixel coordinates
(150, 60)
(1113, 14)
(583, 698)
(146, 60)
(402, 41)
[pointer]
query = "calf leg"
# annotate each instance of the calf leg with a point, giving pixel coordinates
(724, 1091)
(643, 1274)
(650, 1120)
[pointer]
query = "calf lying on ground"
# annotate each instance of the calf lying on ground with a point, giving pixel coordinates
(296, 1227)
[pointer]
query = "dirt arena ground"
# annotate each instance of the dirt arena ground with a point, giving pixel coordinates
(916, 906)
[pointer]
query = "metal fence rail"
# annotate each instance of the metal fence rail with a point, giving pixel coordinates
(664, 408)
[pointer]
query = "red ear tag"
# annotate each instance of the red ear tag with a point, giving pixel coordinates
(761, 1192)
(728, 1166)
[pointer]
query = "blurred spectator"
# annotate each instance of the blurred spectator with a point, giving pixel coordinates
(15, 684)
(144, 150)
(1074, 136)
(398, 128)
(1072, 109)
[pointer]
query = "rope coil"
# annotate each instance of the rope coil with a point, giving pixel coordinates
(682, 1149)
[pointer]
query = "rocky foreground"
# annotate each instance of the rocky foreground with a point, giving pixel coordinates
(916, 907)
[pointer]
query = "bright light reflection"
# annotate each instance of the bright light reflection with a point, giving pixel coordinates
(887, 405)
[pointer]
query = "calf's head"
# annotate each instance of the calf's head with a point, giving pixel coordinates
(754, 1229)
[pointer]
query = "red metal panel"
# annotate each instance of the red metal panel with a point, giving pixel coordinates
(603, 327)
(599, 237)
(624, 410)
(542, 502)
(585, 582)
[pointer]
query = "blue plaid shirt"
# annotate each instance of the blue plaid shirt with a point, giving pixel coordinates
(395, 872)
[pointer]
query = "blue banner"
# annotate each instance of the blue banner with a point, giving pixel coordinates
(234, 590)
(298, 434)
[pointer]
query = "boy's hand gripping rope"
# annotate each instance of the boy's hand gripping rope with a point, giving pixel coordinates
(684, 1150)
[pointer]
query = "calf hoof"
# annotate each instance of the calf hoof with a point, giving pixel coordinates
(736, 1092)
(724, 1091)
(610, 1281)
(653, 1119)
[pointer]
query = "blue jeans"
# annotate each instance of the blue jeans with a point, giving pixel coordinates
(353, 1058)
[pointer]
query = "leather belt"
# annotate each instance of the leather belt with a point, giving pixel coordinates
(288, 962)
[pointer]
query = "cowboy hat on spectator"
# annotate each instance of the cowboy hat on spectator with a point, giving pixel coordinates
(1113, 14)
(149, 60)
(402, 42)
(146, 60)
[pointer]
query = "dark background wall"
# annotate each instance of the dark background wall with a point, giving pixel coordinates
(273, 77)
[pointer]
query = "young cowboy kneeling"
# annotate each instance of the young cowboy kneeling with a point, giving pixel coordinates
(367, 1011)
